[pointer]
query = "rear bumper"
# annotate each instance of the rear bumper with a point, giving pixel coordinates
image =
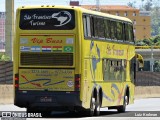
(31, 99)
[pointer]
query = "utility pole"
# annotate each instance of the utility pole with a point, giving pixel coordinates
(98, 5)
(152, 60)
(9, 27)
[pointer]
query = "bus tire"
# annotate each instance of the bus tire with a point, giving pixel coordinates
(92, 106)
(91, 111)
(122, 108)
(98, 106)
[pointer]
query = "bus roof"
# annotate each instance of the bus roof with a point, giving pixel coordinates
(78, 8)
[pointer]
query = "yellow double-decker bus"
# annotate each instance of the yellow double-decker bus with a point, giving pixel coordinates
(70, 58)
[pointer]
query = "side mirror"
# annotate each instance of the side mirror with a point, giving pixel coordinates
(140, 60)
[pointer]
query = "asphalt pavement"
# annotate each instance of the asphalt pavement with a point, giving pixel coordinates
(142, 109)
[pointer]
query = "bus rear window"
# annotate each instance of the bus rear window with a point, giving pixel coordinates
(47, 19)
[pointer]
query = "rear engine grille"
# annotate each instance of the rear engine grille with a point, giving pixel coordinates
(47, 59)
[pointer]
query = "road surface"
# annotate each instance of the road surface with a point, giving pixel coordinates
(142, 109)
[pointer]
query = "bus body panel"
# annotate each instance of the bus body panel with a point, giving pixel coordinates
(39, 75)
(46, 99)
(46, 79)
(94, 75)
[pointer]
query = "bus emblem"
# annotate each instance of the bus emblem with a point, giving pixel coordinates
(63, 17)
(70, 83)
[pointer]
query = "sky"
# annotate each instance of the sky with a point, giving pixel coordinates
(65, 2)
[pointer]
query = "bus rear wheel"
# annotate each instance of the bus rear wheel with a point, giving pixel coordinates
(98, 106)
(92, 106)
(95, 105)
(122, 108)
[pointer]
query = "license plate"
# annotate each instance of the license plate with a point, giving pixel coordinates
(46, 99)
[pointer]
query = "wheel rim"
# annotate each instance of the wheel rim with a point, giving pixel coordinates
(93, 106)
(97, 107)
(126, 100)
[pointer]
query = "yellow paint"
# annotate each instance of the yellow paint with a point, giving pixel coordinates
(91, 76)
(43, 79)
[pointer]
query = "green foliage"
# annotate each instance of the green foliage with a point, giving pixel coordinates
(157, 66)
(4, 57)
(148, 5)
(155, 21)
(132, 4)
(155, 41)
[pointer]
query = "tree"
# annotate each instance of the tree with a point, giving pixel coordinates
(4, 57)
(155, 41)
(157, 66)
(155, 21)
(148, 5)
(154, 7)
(132, 4)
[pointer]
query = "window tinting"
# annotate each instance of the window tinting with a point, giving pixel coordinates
(129, 33)
(114, 70)
(88, 27)
(101, 28)
(85, 26)
(113, 30)
(96, 27)
(126, 32)
(47, 19)
(92, 26)
(107, 28)
(119, 31)
(104, 28)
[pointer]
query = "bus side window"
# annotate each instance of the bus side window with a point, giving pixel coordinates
(107, 28)
(85, 25)
(101, 28)
(119, 31)
(106, 69)
(131, 34)
(96, 27)
(123, 32)
(126, 32)
(92, 26)
(113, 30)
(88, 27)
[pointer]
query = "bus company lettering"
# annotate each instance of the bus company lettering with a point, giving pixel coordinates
(109, 50)
(37, 40)
(51, 40)
(47, 40)
(114, 51)
(117, 52)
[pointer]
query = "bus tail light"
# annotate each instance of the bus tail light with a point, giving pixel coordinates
(16, 85)
(16, 78)
(77, 82)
